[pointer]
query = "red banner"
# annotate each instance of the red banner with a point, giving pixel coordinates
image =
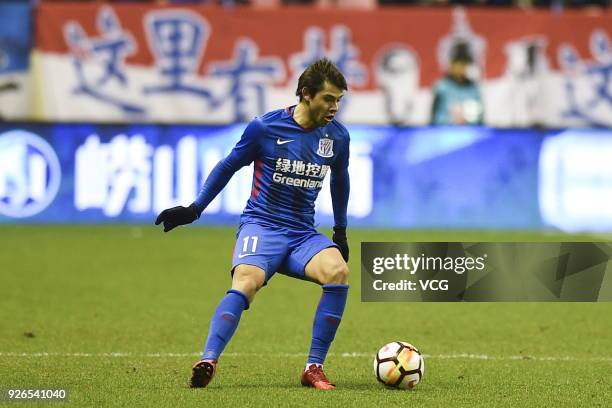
(362, 43)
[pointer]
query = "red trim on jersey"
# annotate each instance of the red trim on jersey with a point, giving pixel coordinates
(257, 179)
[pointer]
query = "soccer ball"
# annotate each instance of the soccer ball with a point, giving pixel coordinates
(399, 364)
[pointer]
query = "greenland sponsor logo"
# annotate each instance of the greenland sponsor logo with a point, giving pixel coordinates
(30, 174)
(297, 181)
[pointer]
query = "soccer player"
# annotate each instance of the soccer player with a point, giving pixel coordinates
(293, 149)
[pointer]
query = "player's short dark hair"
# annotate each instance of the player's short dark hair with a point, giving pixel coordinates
(316, 74)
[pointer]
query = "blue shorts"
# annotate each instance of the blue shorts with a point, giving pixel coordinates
(277, 249)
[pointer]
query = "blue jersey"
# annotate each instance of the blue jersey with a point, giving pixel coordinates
(290, 164)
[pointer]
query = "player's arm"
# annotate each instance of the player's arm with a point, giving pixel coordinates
(241, 155)
(340, 190)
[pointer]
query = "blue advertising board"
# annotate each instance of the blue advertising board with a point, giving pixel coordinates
(456, 177)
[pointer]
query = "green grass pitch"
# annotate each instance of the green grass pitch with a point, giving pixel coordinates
(117, 315)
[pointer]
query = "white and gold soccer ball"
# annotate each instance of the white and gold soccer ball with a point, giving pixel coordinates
(399, 365)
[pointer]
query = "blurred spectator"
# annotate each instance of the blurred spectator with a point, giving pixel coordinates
(457, 99)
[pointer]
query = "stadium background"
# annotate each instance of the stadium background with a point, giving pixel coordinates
(113, 112)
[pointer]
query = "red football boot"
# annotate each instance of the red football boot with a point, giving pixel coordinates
(315, 377)
(202, 372)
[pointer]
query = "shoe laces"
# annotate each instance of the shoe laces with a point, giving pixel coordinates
(317, 374)
(209, 366)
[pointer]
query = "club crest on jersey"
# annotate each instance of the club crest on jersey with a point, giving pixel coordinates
(326, 147)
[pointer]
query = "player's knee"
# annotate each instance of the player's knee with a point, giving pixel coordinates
(335, 273)
(246, 285)
(248, 281)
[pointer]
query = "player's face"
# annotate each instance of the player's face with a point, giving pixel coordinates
(324, 105)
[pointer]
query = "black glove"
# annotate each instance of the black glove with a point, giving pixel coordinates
(175, 216)
(339, 239)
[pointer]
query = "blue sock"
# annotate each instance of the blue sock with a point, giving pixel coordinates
(326, 321)
(224, 323)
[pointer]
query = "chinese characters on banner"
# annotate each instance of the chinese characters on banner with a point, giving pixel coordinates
(202, 64)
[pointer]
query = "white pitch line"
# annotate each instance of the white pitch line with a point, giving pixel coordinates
(458, 356)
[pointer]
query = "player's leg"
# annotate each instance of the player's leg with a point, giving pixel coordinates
(328, 269)
(246, 281)
(263, 250)
(316, 258)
